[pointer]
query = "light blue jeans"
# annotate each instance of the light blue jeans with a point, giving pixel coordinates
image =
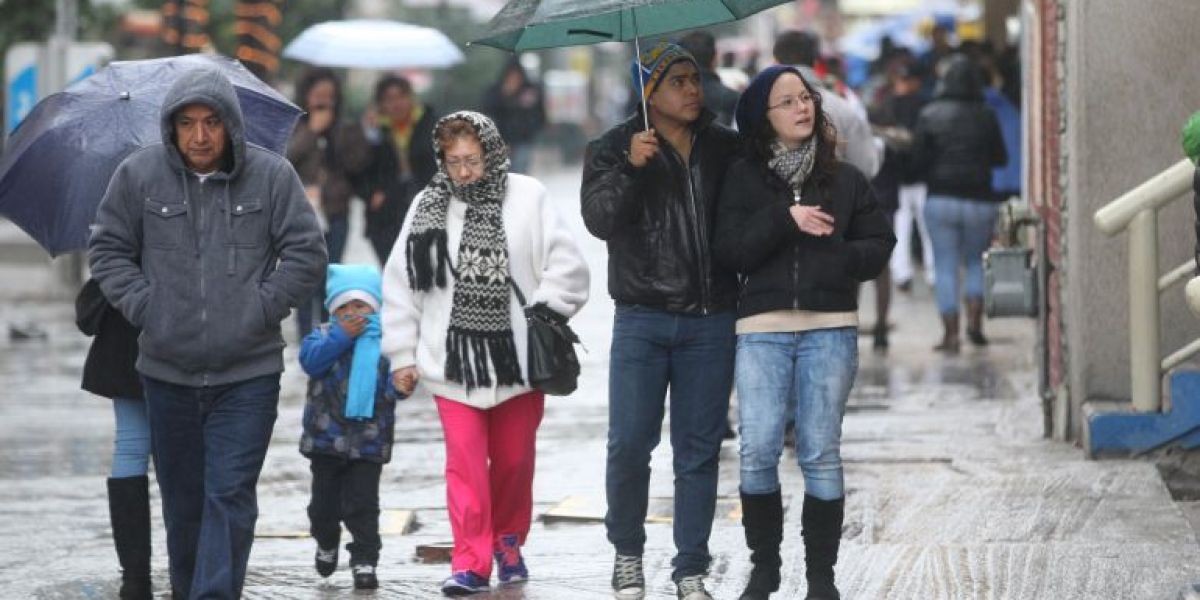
(815, 369)
(131, 445)
(961, 229)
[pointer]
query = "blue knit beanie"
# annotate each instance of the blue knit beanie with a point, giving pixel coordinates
(751, 110)
(353, 282)
(654, 64)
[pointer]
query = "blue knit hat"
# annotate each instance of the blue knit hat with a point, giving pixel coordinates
(654, 64)
(751, 110)
(353, 282)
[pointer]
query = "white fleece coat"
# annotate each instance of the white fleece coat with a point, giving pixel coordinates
(543, 260)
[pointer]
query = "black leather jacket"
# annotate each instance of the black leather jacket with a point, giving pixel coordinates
(957, 141)
(658, 220)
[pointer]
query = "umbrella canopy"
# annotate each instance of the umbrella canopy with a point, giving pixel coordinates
(373, 44)
(59, 160)
(532, 24)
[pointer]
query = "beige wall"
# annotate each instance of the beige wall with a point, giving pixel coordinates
(1133, 77)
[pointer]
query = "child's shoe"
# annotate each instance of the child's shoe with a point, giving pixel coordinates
(510, 565)
(364, 577)
(464, 583)
(326, 561)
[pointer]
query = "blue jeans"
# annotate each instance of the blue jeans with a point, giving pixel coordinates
(960, 229)
(209, 446)
(131, 445)
(811, 371)
(693, 355)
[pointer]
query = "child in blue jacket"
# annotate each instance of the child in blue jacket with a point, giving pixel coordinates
(348, 421)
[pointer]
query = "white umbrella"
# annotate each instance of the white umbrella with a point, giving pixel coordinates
(373, 44)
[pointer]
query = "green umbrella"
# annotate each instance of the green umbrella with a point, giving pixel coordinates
(536, 24)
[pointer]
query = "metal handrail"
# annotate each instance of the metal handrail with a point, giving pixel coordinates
(1176, 275)
(1137, 211)
(1159, 190)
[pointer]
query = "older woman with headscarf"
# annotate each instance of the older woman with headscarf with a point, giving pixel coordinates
(451, 320)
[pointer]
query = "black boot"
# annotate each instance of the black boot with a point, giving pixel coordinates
(822, 523)
(762, 518)
(129, 512)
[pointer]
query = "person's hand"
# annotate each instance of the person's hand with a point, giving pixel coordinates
(320, 117)
(370, 118)
(812, 220)
(353, 325)
(642, 147)
(405, 379)
(377, 200)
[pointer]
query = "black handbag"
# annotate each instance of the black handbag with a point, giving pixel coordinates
(553, 365)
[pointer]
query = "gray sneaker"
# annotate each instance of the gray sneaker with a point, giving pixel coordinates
(691, 588)
(628, 581)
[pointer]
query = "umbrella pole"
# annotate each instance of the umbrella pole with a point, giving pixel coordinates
(637, 59)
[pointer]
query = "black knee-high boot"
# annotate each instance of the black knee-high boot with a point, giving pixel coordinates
(129, 512)
(822, 523)
(762, 518)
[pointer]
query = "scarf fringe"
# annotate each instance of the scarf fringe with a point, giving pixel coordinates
(467, 355)
(423, 273)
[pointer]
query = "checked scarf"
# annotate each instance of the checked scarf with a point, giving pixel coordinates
(480, 319)
(794, 166)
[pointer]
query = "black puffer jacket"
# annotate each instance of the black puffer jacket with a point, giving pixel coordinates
(957, 141)
(658, 220)
(782, 267)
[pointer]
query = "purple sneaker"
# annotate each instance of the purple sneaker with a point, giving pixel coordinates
(464, 583)
(510, 565)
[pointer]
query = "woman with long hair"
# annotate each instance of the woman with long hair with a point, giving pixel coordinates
(803, 230)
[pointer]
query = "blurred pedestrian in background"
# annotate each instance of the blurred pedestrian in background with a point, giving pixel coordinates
(717, 98)
(349, 420)
(401, 164)
(803, 230)
(109, 372)
(956, 145)
(327, 152)
(903, 107)
(451, 321)
(517, 105)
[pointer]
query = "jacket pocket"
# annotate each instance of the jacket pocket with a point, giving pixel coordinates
(164, 225)
(248, 225)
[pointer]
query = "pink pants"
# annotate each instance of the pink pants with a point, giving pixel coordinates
(489, 475)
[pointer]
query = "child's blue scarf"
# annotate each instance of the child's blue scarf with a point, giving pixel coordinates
(364, 372)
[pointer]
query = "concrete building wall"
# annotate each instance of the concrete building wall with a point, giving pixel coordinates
(1133, 77)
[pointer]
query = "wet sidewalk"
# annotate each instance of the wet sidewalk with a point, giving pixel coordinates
(952, 491)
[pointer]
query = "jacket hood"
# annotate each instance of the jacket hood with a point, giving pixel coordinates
(212, 89)
(962, 81)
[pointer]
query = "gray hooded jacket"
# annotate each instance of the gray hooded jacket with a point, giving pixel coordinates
(207, 269)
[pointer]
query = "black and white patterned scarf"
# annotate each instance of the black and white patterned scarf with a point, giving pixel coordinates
(480, 318)
(794, 166)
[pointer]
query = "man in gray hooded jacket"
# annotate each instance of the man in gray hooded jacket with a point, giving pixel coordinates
(204, 242)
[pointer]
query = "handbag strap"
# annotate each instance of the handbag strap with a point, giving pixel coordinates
(517, 290)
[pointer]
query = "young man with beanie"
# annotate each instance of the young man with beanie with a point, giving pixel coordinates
(651, 195)
(204, 241)
(348, 421)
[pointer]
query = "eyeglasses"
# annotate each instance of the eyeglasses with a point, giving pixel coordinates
(792, 102)
(470, 162)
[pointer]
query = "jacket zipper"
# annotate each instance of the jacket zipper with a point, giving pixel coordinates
(796, 263)
(203, 302)
(698, 232)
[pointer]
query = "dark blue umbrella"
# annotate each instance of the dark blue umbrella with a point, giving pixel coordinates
(59, 160)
